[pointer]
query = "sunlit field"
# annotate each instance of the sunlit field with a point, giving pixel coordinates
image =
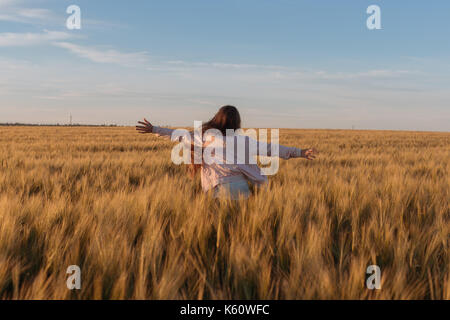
(111, 201)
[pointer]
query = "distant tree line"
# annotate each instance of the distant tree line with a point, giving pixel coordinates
(18, 124)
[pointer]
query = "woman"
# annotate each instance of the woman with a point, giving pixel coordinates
(229, 178)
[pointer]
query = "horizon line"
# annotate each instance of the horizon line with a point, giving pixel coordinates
(18, 124)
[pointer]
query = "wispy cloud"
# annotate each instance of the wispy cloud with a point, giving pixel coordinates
(371, 74)
(292, 72)
(7, 3)
(277, 73)
(9, 39)
(105, 56)
(35, 13)
(15, 11)
(222, 65)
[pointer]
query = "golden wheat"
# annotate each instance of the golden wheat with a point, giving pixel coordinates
(110, 201)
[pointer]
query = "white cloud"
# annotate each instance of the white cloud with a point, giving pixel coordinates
(371, 74)
(17, 11)
(9, 39)
(7, 3)
(89, 93)
(222, 65)
(283, 72)
(105, 56)
(35, 13)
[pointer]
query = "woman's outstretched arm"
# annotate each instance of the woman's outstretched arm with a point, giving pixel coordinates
(174, 135)
(147, 127)
(284, 152)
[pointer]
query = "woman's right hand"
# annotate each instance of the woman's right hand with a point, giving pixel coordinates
(309, 154)
(146, 127)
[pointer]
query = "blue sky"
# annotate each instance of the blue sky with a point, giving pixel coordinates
(285, 63)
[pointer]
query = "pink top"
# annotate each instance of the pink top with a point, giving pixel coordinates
(221, 170)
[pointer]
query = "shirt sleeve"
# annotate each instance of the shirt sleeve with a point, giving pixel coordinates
(162, 131)
(272, 150)
(166, 132)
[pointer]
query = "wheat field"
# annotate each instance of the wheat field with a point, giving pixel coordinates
(111, 201)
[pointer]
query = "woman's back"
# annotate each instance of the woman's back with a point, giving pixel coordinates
(230, 158)
(226, 160)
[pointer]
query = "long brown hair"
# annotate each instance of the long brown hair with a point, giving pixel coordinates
(227, 117)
